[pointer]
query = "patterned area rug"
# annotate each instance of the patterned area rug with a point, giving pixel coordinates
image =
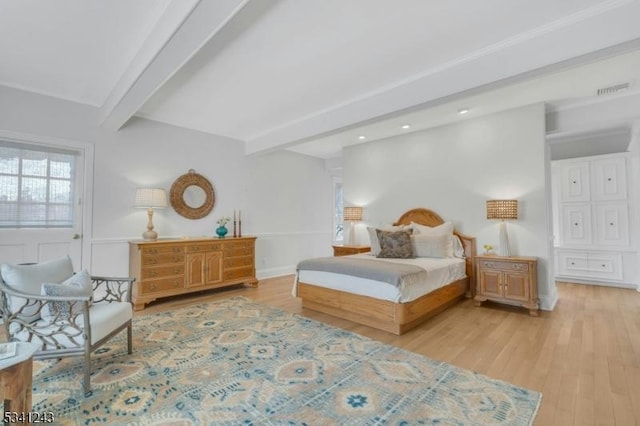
(236, 361)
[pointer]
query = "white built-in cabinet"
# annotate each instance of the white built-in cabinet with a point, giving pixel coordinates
(592, 209)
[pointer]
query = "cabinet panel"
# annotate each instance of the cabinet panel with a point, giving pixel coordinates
(574, 183)
(213, 267)
(576, 223)
(490, 283)
(612, 224)
(610, 179)
(195, 268)
(516, 286)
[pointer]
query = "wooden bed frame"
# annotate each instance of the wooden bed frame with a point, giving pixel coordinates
(389, 316)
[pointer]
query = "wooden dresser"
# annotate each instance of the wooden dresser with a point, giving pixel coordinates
(508, 279)
(176, 266)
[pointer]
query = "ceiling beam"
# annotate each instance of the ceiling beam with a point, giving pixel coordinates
(184, 28)
(524, 56)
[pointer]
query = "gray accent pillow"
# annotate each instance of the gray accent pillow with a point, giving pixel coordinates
(395, 244)
(76, 286)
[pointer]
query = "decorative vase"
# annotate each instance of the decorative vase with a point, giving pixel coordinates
(221, 231)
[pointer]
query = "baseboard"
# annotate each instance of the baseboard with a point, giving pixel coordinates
(275, 272)
(548, 302)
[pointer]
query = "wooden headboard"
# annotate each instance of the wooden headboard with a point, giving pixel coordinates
(430, 218)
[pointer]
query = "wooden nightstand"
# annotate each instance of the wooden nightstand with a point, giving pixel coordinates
(340, 250)
(508, 279)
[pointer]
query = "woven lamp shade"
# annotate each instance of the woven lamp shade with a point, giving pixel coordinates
(502, 209)
(352, 213)
(150, 197)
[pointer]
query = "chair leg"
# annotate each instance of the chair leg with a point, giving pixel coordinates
(87, 371)
(130, 338)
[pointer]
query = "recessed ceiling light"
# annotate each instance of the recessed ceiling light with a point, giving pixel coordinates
(463, 110)
(406, 126)
(361, 137)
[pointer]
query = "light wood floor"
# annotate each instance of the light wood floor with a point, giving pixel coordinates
(584, 356)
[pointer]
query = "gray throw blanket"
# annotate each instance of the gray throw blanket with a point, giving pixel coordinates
(389, 272)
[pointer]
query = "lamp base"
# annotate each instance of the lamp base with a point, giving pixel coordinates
(504, 250)
(150, 235)
(352, 234)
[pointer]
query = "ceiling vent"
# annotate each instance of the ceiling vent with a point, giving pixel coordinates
(604, 91)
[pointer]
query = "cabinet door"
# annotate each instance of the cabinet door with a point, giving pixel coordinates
(490, 283)
(576, 224)
(516, 286)
(574, 181)
(213, 267)
(612, 224)
(195, 270)
(610, 179)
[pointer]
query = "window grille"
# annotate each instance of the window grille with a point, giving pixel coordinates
(37, 186)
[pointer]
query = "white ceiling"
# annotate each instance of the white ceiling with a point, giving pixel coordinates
(311, 75)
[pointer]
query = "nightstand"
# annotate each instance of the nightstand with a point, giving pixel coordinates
(340, 250)
(511, 280)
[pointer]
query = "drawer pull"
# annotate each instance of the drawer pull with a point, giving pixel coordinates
(603, 265)
(573, 263)
(611, 224)
(153, 261)
(154, 273)
(153, 287)
(489, 265)
(574, 182)
(176, 249)
(576, 224)
(609, 179)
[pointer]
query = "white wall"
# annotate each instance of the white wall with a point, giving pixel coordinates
(453, 170)
(145, 153)
(290, 196)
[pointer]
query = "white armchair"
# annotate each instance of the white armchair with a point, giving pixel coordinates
(73, 323)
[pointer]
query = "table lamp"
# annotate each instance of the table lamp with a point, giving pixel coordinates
(148, 198)
(503, 210)
(352, 215)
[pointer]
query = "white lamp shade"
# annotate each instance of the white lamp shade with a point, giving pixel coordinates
(150, 197)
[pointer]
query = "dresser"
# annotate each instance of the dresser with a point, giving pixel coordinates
(344, 250)
(177, 266)
(511, 280)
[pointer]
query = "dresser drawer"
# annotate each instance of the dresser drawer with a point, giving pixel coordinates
(161, 271)
(162, 250)
(161, 259)
(234, 262)
(236, 250)
(159, 286)
(232, 274)
(504, 265)
(196, 248)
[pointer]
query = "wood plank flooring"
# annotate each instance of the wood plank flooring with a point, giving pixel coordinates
(584, 356)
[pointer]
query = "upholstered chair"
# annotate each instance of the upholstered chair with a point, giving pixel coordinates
(67, 314)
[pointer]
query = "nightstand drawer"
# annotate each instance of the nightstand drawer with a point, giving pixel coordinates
(504, 265)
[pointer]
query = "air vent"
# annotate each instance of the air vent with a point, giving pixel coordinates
(604, 91)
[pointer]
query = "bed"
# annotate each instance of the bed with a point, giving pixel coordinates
(389, 313)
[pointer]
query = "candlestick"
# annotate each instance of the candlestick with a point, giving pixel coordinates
(239, 223)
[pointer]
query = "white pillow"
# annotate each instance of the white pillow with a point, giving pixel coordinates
(28, 279)
(373, 235)
(458, 248)
(430, 245)
(443, 229)
(76, 285)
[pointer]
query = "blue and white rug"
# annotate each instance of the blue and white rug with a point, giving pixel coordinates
(235, 361)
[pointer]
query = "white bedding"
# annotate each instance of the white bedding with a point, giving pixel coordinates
(440, 272)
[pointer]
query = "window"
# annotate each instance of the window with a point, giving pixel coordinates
(36, 186)
(338, 224)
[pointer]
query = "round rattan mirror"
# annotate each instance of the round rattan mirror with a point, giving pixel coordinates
(192, 195)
